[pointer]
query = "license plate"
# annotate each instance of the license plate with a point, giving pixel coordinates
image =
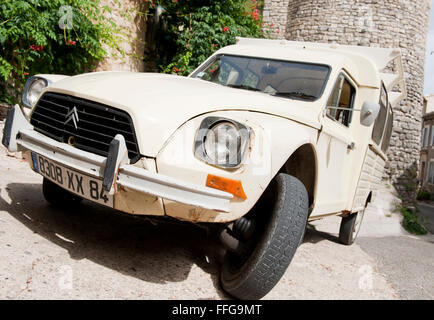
(71, 180)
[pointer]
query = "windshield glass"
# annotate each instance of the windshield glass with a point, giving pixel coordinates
(280, 78)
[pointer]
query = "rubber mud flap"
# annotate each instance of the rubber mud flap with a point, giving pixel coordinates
(8, 127)
(110, 169)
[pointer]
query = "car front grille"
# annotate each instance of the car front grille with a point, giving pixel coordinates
(87, 125)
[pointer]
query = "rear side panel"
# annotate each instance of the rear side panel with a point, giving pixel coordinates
(370, 178)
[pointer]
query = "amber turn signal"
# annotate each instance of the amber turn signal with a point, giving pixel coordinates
(232, 186)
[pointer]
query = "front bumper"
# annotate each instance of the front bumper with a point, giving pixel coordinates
(117, 174)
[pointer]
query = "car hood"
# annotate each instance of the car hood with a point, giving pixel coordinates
(159, 104)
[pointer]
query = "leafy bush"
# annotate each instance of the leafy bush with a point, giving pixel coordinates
(32, 41)
(410, 222)
(197, 28)
(423, 195)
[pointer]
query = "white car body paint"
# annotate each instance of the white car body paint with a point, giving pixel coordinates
(166, 111)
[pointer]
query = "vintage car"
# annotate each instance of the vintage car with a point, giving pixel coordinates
(261, 138)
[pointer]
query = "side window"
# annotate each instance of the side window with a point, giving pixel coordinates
(425, 137)
(341, 101)
(380, 122)
(388, 132)
(431, 143)
(430, 174)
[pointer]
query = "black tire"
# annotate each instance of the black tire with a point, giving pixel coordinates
(57, 196)
(350, 226)
(272, 249)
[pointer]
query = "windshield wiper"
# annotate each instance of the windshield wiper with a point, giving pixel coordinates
(295, 94)
(242, 86)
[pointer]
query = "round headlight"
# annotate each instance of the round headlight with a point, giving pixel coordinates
(222, 144)
(35, 90)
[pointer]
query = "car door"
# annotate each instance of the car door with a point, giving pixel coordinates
(335, 149)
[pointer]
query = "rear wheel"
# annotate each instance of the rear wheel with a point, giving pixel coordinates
(57, 196)
(279, 220)
(350, 226)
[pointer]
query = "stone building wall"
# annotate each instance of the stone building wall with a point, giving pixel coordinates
(275, 17)
(129, 17)
(388, 23)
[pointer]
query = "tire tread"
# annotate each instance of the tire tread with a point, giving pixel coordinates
(279, 245)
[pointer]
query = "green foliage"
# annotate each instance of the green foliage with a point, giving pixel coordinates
(410, 222)
(197, 28)
(31, 40)
(410, 186)
(423, 195)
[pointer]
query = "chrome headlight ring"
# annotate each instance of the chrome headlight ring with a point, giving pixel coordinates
(222, 142)
(33, 89)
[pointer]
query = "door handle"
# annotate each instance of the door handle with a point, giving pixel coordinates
(351, 146)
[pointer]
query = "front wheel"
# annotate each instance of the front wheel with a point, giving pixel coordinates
(253, 272)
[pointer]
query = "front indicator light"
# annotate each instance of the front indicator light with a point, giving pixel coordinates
(232, 186)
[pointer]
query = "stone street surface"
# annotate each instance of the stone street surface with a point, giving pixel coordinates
(97, 253)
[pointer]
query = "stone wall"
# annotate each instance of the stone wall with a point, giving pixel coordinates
(388, 23)
(275, 17)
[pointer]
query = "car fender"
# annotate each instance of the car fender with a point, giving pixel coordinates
(272, 141)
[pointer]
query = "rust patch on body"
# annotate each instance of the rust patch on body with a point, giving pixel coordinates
(345, 213)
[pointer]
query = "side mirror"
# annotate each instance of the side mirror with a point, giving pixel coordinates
(369, 113)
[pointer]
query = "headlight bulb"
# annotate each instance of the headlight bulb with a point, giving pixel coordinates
(222, 144)
(35, 90)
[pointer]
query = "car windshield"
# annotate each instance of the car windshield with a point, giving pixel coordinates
(293, 80)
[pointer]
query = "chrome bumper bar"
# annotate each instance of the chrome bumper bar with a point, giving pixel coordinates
(115, 170)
